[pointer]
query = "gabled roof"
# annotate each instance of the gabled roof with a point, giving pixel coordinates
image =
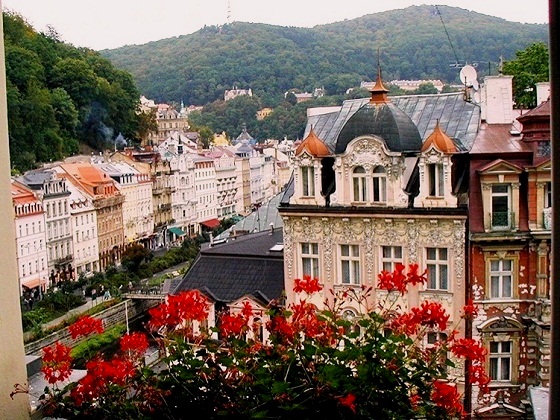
(501, 166)
(243, 266)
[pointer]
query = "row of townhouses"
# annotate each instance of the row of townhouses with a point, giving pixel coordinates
(457, 183)
(77, 217)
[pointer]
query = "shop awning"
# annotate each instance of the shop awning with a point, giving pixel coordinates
(212, 223)
(176, 231)
(31, 284)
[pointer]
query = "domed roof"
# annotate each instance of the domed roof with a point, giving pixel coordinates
(379, 117)
(440, 141)
(385, 120)
(313, 145)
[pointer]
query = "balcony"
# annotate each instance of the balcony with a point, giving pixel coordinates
(502, 220)
(547, 218)
(64, 260)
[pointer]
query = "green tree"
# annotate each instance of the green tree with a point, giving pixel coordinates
(530, 67)
(427, 88)
(133, 256)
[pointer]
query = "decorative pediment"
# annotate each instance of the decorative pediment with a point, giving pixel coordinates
(500, 166)
(544, 166)
(501, 324)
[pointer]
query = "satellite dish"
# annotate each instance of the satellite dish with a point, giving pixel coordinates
(468, 76)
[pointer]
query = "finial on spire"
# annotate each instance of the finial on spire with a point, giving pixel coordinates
(378, 92)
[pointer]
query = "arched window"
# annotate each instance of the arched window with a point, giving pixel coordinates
(359, 184)
(379, 185)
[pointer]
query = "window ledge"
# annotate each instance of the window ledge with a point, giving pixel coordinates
(502, 384)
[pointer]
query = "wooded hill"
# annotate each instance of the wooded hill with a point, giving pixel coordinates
(419, 42)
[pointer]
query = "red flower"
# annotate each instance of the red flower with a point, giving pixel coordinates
(431, 314)
(405, 324)
(470, 310)
(469, 349)
(232, 324)
(85, 326)
(247, 310)
(101, 375)
(136, 343)
(56, 363)
(307, 285)
(445, 395)
(187, 306)
(348, 401)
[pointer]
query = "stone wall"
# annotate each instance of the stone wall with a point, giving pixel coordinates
(111, 316)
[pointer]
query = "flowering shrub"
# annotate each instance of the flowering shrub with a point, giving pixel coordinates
(314, 363)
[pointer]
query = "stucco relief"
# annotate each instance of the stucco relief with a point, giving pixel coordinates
(326, 224)
(288, 247)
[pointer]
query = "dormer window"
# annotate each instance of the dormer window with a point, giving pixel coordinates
(435, 179)
(501, 204)
(308, 181)
(359, 184)
(379, 184)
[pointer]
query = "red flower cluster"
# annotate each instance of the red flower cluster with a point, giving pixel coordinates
(348, 401)
(398, 280)
(307, 285)
(445, 395)
(85, 326)
(470, 310)
(101, 375)
(429, 314)
(232, 324)
(186, 306)
(136, 343)
(56, 363)
(469, 349)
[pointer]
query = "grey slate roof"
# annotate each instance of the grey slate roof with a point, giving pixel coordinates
(239, 267)
(385, 120)
(457, 118)
(259, 220)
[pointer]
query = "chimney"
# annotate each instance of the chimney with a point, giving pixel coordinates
(271, 228)
(211, 239)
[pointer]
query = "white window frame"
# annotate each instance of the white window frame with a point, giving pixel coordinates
(500, 361)
(548, 195)
(501, 276)
(390, 257)
(379, 183)
(435, 179)
(359, 185)
(310, 258)
(308, 181)
(437, 263)
(349, 264)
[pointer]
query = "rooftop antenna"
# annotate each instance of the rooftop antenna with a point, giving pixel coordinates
(229, 12)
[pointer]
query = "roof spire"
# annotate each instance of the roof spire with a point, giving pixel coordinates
(378, 92)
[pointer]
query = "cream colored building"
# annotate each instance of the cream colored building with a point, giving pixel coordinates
(373, 187)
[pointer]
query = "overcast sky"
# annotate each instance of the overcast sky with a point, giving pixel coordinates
(101, 24)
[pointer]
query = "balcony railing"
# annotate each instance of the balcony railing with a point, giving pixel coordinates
(547, 218)
(502, 220)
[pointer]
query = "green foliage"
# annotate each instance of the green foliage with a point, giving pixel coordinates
(271, 59)
(59, 96)
(96, 343)
(60, 302)
(528, 68)
(133, 256)
(33, 319)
